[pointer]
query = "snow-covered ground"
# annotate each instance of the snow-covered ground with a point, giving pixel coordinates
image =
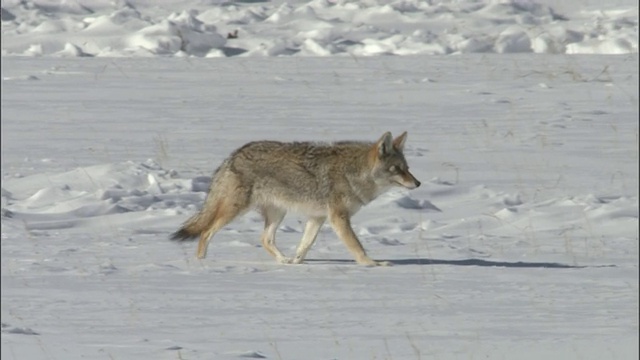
(522, 242)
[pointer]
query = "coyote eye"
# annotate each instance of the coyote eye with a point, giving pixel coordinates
(393, 169)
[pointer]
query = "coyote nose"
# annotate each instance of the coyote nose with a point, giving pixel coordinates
(417, 183)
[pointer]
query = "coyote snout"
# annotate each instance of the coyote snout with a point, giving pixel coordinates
(401, 176)
(322, 181)
(409, 181)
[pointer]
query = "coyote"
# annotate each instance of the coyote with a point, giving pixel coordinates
(318, 180)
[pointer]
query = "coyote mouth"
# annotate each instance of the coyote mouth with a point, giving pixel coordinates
(410, 186)
(403, 185)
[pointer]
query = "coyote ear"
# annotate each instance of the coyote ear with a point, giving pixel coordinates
(398, 143)
(384, 144)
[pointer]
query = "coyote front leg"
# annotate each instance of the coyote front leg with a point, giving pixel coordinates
(340, 221)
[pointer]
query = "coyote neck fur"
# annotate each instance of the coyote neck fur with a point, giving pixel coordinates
(364, 187)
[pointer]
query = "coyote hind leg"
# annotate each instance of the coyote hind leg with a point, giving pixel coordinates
(272, 218)
(311, 230)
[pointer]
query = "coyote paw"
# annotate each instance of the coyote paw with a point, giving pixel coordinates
(384, 263)
(285, 260)
(371, 262)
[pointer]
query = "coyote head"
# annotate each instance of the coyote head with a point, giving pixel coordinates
(391, 167)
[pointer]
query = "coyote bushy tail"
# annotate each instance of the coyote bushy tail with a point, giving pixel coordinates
(193, 227)
(198, 223)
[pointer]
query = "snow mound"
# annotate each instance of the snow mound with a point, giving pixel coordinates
(107, 195)
(180, 33)
(313, 28)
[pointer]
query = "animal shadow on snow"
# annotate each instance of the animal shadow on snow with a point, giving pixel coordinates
(463, 262)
